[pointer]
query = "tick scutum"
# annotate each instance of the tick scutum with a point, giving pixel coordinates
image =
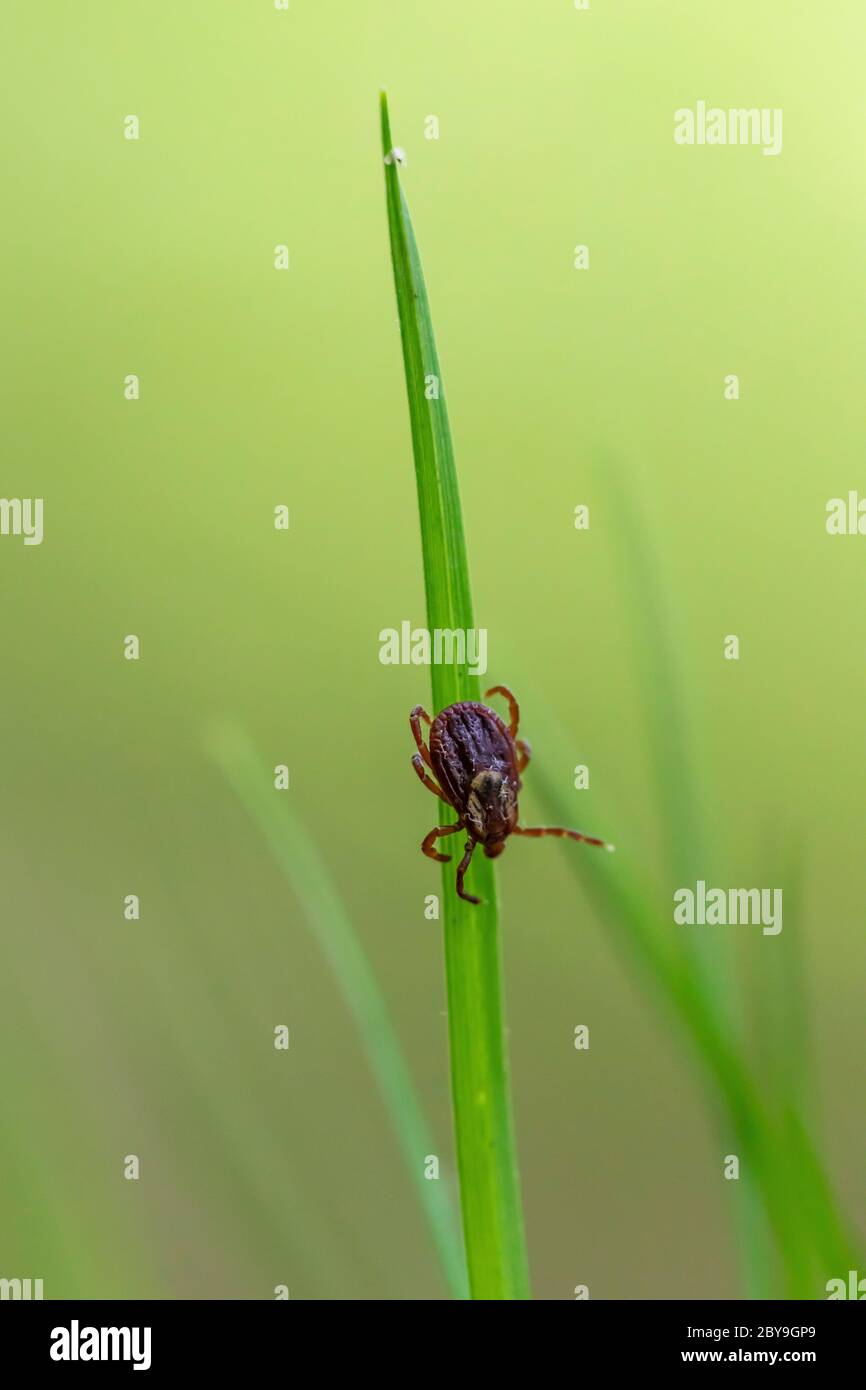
(465, 739)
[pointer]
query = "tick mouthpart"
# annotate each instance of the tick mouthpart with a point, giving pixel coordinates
(494, 848)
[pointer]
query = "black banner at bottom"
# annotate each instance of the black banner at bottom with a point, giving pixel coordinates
(211, 1338)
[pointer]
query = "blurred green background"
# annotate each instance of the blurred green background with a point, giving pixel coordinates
(259, 387)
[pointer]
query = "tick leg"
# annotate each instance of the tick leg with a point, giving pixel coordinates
(435, 834)
(428, 781)
(513, 707)
(461, 872)
(525, 752)
(535, 832)
(419, 713)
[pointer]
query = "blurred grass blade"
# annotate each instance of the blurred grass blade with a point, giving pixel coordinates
(667, 713)
(668, 719)
(690, 852)
(815, 1228)
(811, 1236)
(486, 1152)
(298, 857)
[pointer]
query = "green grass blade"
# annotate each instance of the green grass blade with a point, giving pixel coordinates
(486, 1151)
(668, 717)
(816, 1228)
(783, 1163)
(299, 859)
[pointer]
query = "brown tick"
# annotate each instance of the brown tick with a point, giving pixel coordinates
(477, 763)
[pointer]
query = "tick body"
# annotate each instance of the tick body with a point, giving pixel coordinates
(476, 760)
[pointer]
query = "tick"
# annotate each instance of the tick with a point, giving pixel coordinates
(476, 762)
